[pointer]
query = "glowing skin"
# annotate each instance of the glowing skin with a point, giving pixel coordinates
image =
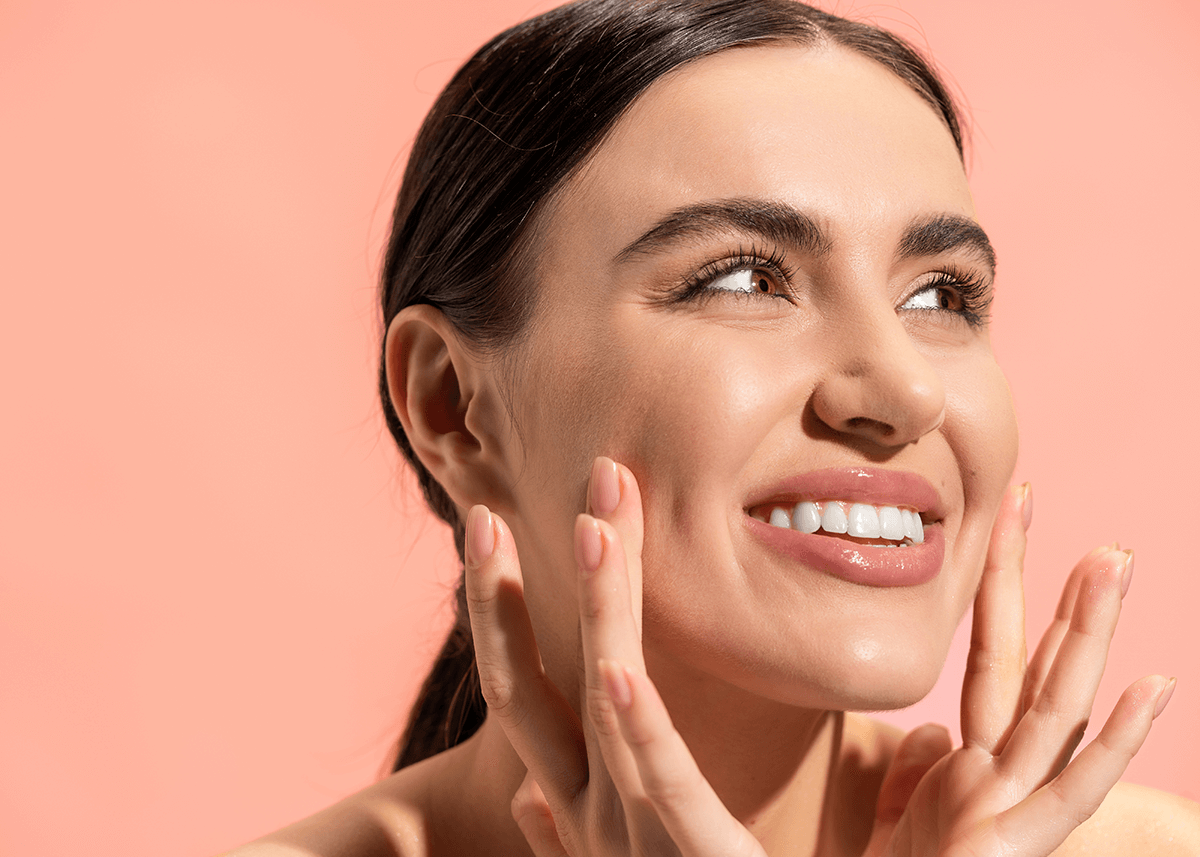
(871, 385)
(713, 403)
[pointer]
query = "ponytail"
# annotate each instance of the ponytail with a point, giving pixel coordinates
(450, 707)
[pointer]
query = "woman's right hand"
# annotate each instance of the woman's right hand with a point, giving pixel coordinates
(621, 782)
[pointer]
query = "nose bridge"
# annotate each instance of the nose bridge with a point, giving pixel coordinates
(877, 382)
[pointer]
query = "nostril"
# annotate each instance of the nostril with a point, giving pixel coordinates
(867, 424)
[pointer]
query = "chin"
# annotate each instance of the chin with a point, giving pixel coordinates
(881, 680)
(867, 675)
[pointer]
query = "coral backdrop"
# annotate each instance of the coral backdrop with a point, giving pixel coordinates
(218, 590)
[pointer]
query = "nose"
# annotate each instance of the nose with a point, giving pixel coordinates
(877, 384)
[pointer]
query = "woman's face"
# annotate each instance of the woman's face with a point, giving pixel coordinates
(767, 287)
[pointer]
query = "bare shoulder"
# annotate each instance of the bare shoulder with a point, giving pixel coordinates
(387, 819)
(1138, 820)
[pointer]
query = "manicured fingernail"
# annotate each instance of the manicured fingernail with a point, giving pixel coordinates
(605, 491)
(1027, 504)
(481, 537)
(1127, 572)
(589, 545)
(1164, 697)
(616, 682)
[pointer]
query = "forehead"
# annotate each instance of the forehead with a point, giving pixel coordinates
(824, 130)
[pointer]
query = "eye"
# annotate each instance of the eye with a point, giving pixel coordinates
(954, 293)
(935, 297)
(747, 280)
(747, 274)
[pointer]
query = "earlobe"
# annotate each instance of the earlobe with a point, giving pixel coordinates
(446, 400)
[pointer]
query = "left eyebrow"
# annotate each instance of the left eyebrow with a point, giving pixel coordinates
(943, 233)
(773, 221)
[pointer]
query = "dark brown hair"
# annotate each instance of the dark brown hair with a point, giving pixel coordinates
(515, 121)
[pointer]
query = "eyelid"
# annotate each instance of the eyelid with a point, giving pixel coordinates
(697, 284)
(974, 290)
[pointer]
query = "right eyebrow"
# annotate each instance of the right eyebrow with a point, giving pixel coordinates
(774, 221)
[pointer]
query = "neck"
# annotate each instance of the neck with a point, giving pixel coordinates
(777, 768)
(773, 765)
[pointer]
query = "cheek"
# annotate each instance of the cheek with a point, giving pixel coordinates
(981, 429)
(981, 426)
(649, 396)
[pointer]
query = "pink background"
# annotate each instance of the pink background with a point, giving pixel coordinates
(218, 588)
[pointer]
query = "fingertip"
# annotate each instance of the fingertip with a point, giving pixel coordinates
(589, 544)
(604, 487)
(617, 683)
(929, 739)
(480, 540)
(1027, 505)
(1164, 697)
(1127, 572)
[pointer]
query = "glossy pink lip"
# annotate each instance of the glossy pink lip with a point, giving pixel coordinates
(857, 563)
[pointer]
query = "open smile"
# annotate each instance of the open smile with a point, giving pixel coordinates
(868, 526)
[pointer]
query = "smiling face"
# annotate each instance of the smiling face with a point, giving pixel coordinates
(767, 288)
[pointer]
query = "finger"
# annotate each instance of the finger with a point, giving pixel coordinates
(919, 751)
(1047, 649)
(613, 496)
(1043, 820)
(1047, 735)
(532, 814)
(694, 817)
(996, 660)
(607, 631)
(535, 716)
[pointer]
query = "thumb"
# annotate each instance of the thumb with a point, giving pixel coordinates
(919, 751)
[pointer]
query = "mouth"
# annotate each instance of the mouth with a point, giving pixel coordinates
(868, 526)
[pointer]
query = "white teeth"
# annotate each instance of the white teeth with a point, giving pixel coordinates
(891, 523)
(913, 529)
(860, 520)
(806, 517)
(863, 522)
(833, 519)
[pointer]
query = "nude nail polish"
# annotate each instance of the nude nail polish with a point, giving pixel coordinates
(589, 545)
(604, 493)
(481, 536)
(1127, 572)
(616, 682)
(1165, 697)
(1027, 504)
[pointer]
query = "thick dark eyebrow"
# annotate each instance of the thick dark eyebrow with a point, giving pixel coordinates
(775, 222)
(945, 232)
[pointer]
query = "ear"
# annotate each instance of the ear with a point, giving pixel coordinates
(448, 402)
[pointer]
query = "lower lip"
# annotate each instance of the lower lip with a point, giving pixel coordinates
(866, 565)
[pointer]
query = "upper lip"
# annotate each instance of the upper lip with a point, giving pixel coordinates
(873, 485)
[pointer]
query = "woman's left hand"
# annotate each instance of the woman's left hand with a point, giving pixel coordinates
(1012, 788)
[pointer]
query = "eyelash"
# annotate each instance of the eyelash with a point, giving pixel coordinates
(972, 289)
(696, 287)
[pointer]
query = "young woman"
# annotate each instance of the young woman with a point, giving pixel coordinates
(687, 340)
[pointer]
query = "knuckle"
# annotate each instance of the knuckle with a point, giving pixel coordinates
(499, 693)
(479, 603)
(665, 792)
(592, 609)
(602, 714)
(1075, 808)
